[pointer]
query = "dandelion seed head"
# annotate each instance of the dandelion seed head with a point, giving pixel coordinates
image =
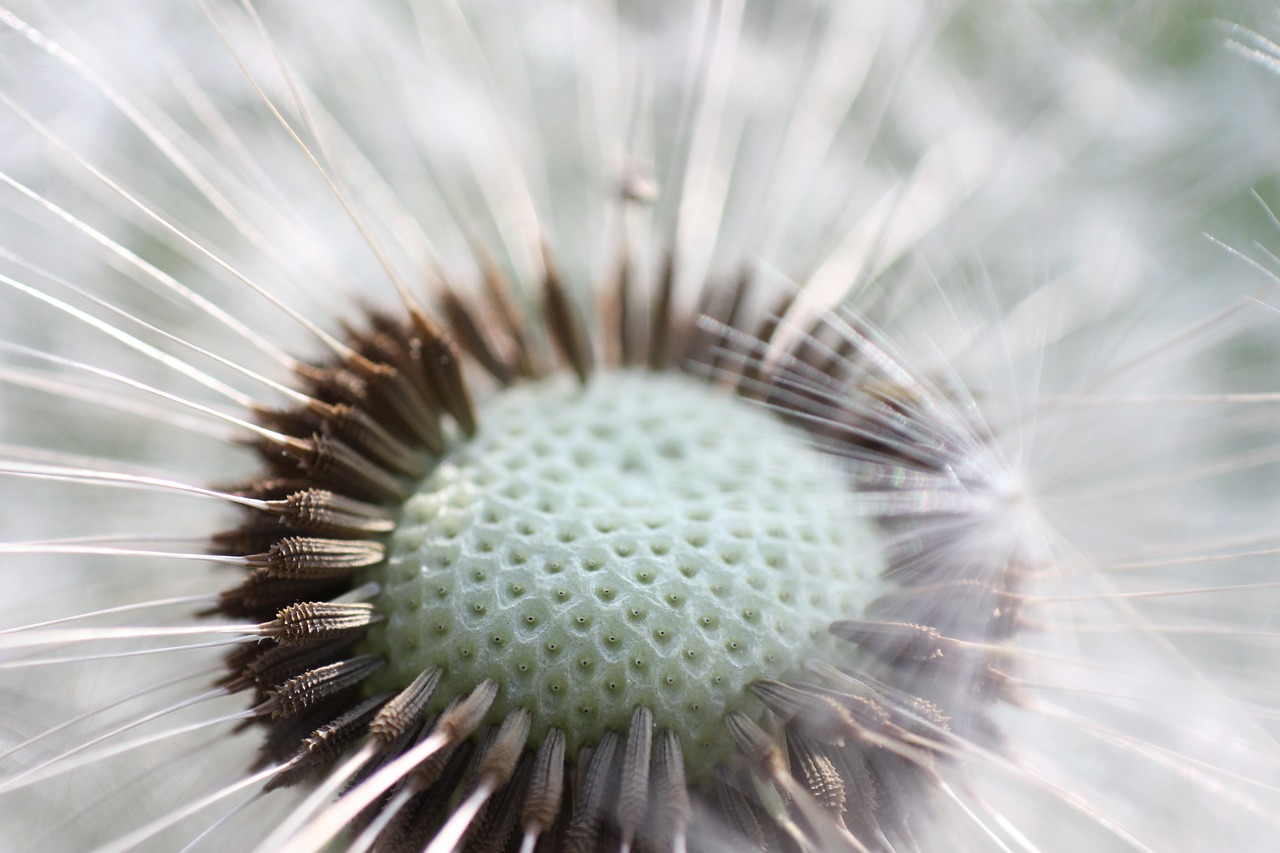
(947, 214)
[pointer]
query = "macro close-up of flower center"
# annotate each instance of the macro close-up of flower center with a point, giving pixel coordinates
(627, 571)
(654, 427)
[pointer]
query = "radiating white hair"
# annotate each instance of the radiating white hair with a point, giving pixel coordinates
(1052, 216)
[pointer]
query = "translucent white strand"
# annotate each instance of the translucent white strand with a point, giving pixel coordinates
(62, 764)
(248, 426)
(369, 835)
(162, 141)
(133, 839)
(60, 386)
(331, 178)
(315, 835)
(131, 258)
(174, 363)
(165, 650)
(318, 799)
(89, 476)
(130, 341)
(128, 697)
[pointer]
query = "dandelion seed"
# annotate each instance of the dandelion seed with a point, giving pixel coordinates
(576, 427)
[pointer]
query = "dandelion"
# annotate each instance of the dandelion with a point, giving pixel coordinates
(629, 426)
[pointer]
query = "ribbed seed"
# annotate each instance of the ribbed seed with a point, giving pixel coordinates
(333, 462)
(315, 621)
(303, 691)
(393, 395)
(562, 322)
(444, 372)
(818, 716)
(403, 712)
(307, 558)
(736, 809)
(465, 718)
(633, 787)
(754, 743)
(817, 773)
(671, 810)
(893, 640)
(499, 818)
(264, 593)
(504, 307)
(274, 665)
(546, 786)
(593, 796)
(472, 340)
(326, 743)
(322, 512)
(660, 315)
(428, 772)
(499, 760)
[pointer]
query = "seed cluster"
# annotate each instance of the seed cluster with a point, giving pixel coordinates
(626, 611)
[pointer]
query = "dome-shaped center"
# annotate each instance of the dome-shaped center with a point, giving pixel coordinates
(645, 540)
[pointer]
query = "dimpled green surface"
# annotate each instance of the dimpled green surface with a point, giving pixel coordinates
(646, 540)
